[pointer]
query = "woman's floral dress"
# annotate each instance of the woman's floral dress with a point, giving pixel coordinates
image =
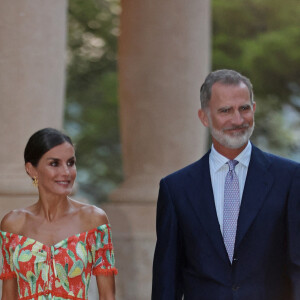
(61, 271)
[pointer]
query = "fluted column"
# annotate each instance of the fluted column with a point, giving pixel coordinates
(164, 55)
(32, 78)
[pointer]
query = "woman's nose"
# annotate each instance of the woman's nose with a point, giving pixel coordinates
(66, 170)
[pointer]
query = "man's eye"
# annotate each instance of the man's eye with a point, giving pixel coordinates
(225, 110)
(247, 107)
(54, 164)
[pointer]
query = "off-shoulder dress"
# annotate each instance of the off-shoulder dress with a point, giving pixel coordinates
(61, 271)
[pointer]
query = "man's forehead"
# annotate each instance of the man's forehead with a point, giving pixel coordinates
(229, 90)
(220, 84)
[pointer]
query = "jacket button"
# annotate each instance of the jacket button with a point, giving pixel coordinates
(235, 287)
(234, 260)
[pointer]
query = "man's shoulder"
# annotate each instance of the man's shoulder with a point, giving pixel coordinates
(273, 159)
(190, 169)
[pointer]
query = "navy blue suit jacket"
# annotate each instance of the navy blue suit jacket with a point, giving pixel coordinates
(190, 256)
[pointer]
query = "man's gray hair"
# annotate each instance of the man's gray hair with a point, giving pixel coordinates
(227, 77)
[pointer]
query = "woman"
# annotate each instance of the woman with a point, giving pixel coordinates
(51, 248)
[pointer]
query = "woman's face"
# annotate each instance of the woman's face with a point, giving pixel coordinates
(56, 170)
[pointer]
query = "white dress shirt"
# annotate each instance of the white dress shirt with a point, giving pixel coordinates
(219, 169)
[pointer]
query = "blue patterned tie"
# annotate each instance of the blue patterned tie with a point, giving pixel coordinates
(231, 208)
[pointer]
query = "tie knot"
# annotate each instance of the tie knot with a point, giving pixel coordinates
(232, 164)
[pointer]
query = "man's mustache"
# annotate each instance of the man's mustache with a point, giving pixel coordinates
(243, 126)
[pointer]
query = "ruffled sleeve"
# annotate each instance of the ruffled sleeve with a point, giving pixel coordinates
(7, 250)
(103, 252)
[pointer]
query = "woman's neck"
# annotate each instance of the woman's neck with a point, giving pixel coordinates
(52, 208)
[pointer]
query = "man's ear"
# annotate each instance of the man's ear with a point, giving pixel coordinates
(30, 170)
(202, 114)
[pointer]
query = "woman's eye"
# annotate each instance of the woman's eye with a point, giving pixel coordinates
(71, 163)
(54, 164)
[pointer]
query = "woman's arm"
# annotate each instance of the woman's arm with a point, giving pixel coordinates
(106, 287)
(9, 289)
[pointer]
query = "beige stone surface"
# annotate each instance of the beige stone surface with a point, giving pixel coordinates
(10, 202)
(164, 56)
(32, 78)
(133, 232)
(32, 63)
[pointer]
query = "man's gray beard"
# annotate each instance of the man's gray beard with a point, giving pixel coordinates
(232, 141)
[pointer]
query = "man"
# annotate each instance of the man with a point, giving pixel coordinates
(228, 225)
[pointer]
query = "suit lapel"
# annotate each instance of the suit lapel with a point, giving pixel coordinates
(202, 200)
(257, 185)
(258, 182)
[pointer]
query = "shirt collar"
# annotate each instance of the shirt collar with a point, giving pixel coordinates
(217, 160)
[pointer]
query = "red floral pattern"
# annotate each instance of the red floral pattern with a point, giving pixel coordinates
(61, 271)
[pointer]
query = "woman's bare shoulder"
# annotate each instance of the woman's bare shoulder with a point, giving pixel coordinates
(91, 215)
(14, 221)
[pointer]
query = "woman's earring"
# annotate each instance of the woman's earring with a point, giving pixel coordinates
(35, 181)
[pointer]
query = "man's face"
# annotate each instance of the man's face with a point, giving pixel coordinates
(229, 116)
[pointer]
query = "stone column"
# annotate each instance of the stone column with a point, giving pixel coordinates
(32, 78)
(164, 55)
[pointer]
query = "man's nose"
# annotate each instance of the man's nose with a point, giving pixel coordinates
(237, 118)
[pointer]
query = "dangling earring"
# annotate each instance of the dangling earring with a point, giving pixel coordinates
(35, 181)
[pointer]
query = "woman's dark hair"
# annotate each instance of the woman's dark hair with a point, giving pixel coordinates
(41, 142)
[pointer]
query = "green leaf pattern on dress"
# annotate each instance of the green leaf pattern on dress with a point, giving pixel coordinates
(79, 295)
(37, 267)
(62, 276)
(109, 257)
(25, 256)
(32, 281)
(16, 256)
(98, 262)
(76, 269)
(90, 258)
(99, 243)
(81, 252)
(28, 242)
(72, 255)
(88, 277)
(26, 293)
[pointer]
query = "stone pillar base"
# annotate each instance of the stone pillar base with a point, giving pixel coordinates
(133, 230)
(143, 187)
